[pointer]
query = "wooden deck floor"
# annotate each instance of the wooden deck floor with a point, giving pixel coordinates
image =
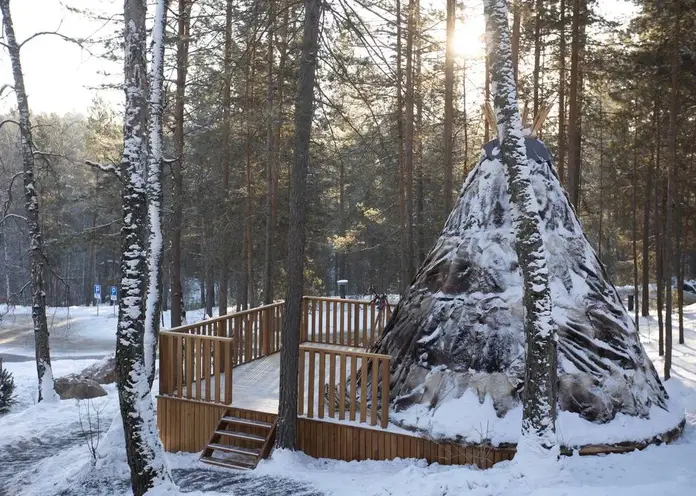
(256, 385)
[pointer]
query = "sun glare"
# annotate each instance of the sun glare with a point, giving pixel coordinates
(469, 38)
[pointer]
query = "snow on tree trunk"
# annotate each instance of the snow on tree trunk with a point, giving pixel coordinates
(304, 109)
(31, 205)
(539, 397)
(154, 194)
(143, 448)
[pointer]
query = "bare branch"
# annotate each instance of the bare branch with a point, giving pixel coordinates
(4, 86)
(109, 168)
(8, 121)
(12, 216)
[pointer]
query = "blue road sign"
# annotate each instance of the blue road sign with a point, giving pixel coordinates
(97, 292)
(114, 293)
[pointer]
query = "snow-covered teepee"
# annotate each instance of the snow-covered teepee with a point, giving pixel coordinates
(456, 338)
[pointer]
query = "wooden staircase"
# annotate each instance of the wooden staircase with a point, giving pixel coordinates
(239, 443)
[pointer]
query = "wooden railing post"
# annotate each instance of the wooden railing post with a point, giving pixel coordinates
(305, 319)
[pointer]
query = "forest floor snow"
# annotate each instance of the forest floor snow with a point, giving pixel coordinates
(43, 448)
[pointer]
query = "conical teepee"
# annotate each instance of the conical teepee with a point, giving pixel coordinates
(459, 327)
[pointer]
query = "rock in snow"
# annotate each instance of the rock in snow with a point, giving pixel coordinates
(104, 371)
(78, 388)
(459, 327)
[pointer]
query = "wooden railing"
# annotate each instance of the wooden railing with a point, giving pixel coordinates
(196, 367)
(345, 393)
(340, 321)
(256, 332)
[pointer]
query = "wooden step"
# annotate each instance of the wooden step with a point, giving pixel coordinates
(247, 422)
(241, 435)
(234, 449)
(227, 464)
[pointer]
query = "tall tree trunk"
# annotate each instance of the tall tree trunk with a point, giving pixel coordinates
(155, 163)
(680, 273)
(143, 447)
(671, 169)
(449, 108)
(536, 73)
(409, 103)
(401, 172)
(647, 195)
(539, 397)
(270, 163)
(659, 267)
(46, 387)
(465, 123)
(561, 94)
(418, 155)
(516, 24)
(226, 159)
(634, 224)
(289, 353)
(247, 290)
(575, 103)
(182, 47)
(600, 224)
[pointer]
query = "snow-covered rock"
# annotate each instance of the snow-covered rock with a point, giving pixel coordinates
(103, 371)
(459, 327)
(78, 388)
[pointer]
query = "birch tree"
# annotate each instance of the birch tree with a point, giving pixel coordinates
(31, 206)
(134, 351)
(154, 193)
(539, 397)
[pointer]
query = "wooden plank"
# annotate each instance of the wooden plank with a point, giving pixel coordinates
(310, 389)
(365, 306)
(341, 316)
(373, 324)
(353, 388)
(375, 388)
(363, 390)
(332, 385)
(334, 318)
(228, 372)
(206, 368)
(322, 382)
(356, 324)
(321, 322)
(342, 387)
(385, 393)
(179, 366)
(301, 385)
(198, 365)
(189, 366)
(349, 325)
(361, 442)
(217, 367)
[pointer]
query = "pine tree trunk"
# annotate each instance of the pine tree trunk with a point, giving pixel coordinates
(487, 97)
(516, 25)
(539, 397)
(143, 447)
(536, 73)
(561, 93)
(671, 169)
(634, 224)
(575, 103)
(270, 163)
(182, 47)
(46, 387)
(226, 159)
(401, 173)
(289, 354)
(409, 105)
(659, 271)
(449, 108)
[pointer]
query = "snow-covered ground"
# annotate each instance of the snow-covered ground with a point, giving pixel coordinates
(43, 451)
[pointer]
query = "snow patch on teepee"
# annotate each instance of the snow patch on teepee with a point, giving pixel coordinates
(458, 331)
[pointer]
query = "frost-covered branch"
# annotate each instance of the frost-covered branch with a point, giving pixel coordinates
(108, 168)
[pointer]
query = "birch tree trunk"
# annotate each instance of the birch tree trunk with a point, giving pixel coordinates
(154, 194)
(304, 110)
(133, 353)
(539, 396)
(31, 206)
